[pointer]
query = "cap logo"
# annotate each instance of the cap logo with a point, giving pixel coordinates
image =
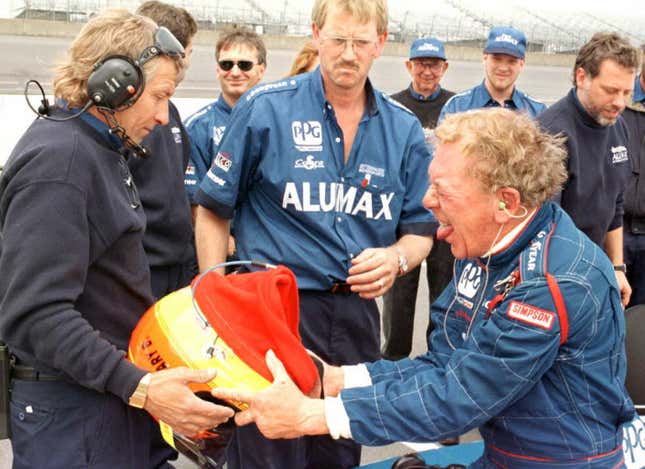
(506, 38)
(428, 46)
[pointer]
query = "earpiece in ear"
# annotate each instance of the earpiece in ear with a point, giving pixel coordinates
(501, 205)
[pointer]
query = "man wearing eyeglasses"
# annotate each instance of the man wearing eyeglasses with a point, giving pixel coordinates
(325, 175)
(74, 278)
(240, 62)
(504, 57)
(424, 97)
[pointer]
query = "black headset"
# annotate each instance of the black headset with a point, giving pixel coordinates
(116, 82)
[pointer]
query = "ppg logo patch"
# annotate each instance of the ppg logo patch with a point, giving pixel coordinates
(223, 161)
(470, 280)
(307, 135)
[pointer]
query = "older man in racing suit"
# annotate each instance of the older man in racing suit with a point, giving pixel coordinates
(529, 339)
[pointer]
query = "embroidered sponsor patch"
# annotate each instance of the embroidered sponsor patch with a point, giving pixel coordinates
(218, 133)
(531, 315)
(223, 161)
(619, 154)
(176, 133)
(307, 135)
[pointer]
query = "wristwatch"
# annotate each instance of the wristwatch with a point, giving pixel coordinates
(620, 268)
(403, 263)
(138, 397)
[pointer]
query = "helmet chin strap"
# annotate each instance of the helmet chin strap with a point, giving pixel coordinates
(118, 130)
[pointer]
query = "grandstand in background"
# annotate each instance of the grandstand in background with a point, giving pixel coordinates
(465, 22)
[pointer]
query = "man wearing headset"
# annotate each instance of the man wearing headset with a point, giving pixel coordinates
(325, 175)
(74, 278)
(529, 338)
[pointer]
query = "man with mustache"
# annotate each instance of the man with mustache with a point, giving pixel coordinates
(597, 143)
(324, 174)
(504, 57)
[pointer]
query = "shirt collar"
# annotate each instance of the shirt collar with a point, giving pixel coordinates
(584, 115)
(372, 107)
(639, 94)
(484, 99)
(101, 127)
(223, 105)
(420, 97)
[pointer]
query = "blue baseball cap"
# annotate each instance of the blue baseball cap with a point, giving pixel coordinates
(504, 40)
(427, 47)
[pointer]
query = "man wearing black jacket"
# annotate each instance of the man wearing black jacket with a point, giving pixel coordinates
(74, 277)
(597, 143)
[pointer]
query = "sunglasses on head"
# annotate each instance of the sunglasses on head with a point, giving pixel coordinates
(244, 65)
(165, 44)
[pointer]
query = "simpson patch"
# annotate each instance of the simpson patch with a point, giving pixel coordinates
(531, 315)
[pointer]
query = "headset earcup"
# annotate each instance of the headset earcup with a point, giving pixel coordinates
(116, 82)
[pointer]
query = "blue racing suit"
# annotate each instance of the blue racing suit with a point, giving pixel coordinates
(206, 128)
(528, 346)
(479, 97)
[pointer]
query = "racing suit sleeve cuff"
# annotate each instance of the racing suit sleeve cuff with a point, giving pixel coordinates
(356, 376)
(337, 418)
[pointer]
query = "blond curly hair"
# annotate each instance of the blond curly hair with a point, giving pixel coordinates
(507, 149)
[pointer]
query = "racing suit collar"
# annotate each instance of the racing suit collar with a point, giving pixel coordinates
(529, 231)
(484, 99)
(223, 105)
(508, 239)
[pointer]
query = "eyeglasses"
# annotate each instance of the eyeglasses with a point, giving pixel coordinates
(435, 65)
(165, 44)
(244, 65)
(357, 44)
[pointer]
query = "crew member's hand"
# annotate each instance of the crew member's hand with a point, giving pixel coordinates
(333, 378)
(333, 381)
(374, 271)
(624, 287)
(281, 410)
(172, 401)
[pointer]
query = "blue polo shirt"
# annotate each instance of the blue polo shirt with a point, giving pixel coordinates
(479, 97)
(420, 97)
(206, 128)
(639, 94)
(280, 169)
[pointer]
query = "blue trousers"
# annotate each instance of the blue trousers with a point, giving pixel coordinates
(60, 425)
(342, 329)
